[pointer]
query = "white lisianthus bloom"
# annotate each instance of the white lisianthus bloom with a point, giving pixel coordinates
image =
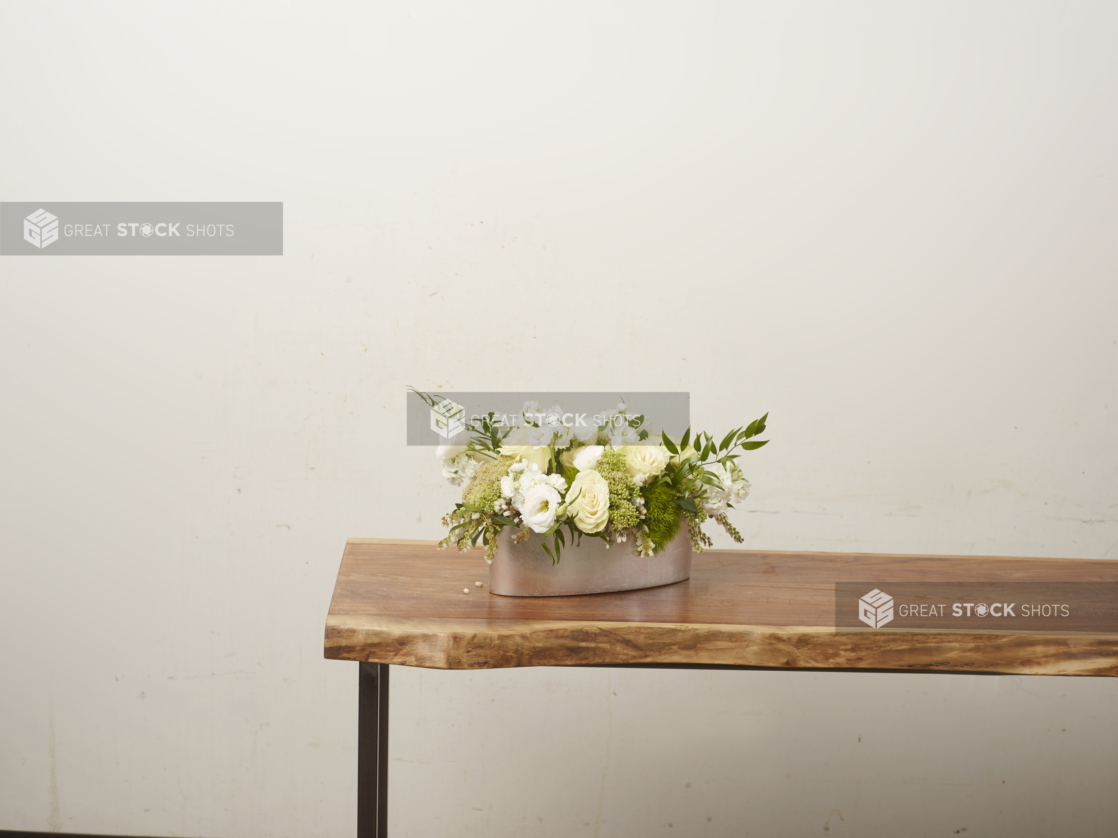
(517, 436)
(550, 429)
(622, 435)
(541, 436)
(585, 430)
(539, 456)
(531, 410)
(644, 462)
(587, 457)
(445, 452)
(508, 486)
(588, 501)
(541, 504)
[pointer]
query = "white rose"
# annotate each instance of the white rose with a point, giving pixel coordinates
(540, 506)
(588, 500)
(540, 455)
(645, 461)
(587, 458)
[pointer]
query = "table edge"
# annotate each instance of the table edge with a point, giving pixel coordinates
(737, 550)
(499, 644)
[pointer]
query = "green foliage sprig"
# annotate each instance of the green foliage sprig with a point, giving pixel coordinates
(487, 433)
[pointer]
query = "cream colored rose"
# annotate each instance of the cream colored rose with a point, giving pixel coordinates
(588, 500)
(540, 455)
(645, 461)
(567, 458)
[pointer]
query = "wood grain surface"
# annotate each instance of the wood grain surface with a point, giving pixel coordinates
(402, 602)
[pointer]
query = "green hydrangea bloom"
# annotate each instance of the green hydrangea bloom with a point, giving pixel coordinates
(622, 490)
(485, 489)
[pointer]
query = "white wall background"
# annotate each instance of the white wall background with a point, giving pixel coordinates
(890, 224)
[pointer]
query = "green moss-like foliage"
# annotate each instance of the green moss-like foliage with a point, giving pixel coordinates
(485, 489)
(622, 490)
(661, 515)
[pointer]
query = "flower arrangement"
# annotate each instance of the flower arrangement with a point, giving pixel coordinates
(603, 478)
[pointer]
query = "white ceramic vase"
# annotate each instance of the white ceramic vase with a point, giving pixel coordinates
(590, 567)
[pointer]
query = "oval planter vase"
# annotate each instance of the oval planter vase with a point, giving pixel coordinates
(524, 569)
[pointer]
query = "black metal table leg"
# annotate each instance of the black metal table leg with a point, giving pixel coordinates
(372, 752)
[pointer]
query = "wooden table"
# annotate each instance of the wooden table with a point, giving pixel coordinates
(402, 603)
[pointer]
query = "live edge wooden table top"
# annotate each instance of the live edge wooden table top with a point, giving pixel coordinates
(402, 602)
